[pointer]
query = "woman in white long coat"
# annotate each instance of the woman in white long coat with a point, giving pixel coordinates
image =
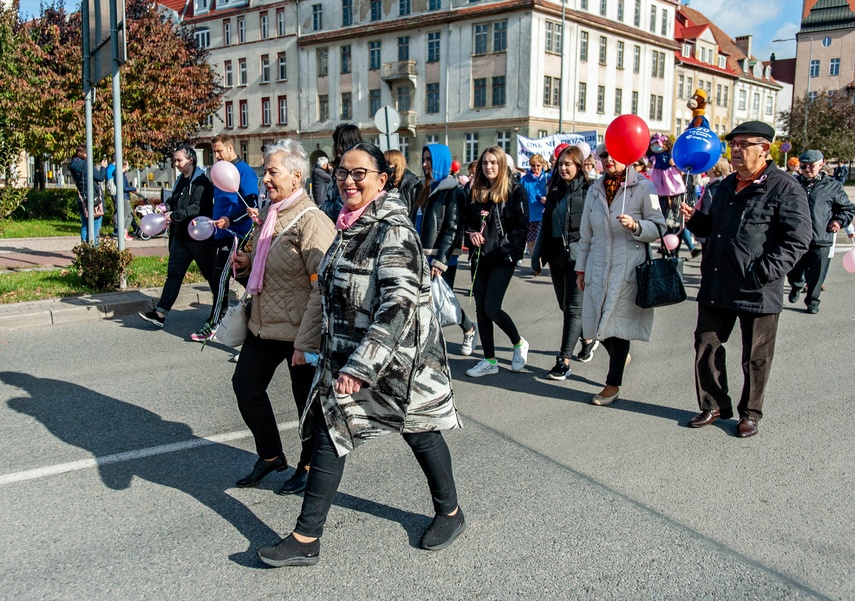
(621, 214)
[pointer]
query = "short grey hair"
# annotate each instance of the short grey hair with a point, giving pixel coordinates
(323, 161)
(292, 156)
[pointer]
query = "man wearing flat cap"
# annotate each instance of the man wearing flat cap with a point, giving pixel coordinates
(830, 210)
(757, 228)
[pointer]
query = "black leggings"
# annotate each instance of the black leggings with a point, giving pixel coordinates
(569, 297)
(327, 468)
(618, 350)
(490, 282)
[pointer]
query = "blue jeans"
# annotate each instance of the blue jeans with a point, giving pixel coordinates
(84, 228)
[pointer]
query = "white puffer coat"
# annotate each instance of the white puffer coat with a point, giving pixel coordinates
(608, 253)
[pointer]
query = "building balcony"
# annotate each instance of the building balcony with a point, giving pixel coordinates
(399, 70)
(408, 120)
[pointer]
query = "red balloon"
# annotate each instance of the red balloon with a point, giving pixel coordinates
(627, 138)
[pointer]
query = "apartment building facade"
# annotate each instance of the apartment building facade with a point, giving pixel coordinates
(825, 48)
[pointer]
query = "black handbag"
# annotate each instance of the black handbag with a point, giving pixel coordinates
(660, 281)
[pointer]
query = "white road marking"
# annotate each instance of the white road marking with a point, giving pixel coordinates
(62, 468)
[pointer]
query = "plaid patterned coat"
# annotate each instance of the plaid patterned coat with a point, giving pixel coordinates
(379, 326)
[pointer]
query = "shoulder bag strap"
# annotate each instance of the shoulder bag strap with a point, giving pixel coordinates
(291, 224)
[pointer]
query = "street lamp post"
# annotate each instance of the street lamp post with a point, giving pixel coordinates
(810, 61)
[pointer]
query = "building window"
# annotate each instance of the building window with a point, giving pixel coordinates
(551, 91)
(814, 68)
(603, 49)
(346, 13)
(323, 62)
(404, 7)
(503, 141)
(603, 7)
(282, 67)
(280, 23)
(432, 139)
(227, 74)
(230, 115)
(601, 99)
(433, 47)
(811, 96)
(432, 98)
(345, 59)
(726, 90)
(679, 125)
(542, 133)
(583, 97)
(265, 111)
(242, 74)
(687, 49)
(553, 37)
(499, 91)
(241, 28)
(203, 38)
(681, 81)
(264, 26)
(689, 89)
(265, 68)
(756, 104)
(583, 45)
(374, 55)
(583, 4)
(742, 98)
(634, 105)
(373, 101)
(769, 101)
(834, 67)
(323, 107)
(620, 11)
(636, 19)
(244, 113)
(404, 147)
(636, 59)
(481, 38)
(662, 67)
(317, 17)
(653, 19)
(652, 114)
(404, 48)
(664, 28)
(722, 61)
(244, 154)
(479, 95)
(471, 147)
(500, 36)
(227, 32)
(346, 101)
(434, 4)
(283, 110)
(654, 64)
(403, 99)
(376, 10)
(660, 102)
(718, 94)
(618, 101)
(620, 55)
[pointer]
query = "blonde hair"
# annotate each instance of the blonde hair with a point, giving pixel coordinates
(482, 190)
(536, 158)
(721, 168)
(397, 160)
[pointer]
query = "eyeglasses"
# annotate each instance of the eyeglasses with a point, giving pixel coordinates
(742, 145)
(357, 174)
(808, 165)
(603, 156)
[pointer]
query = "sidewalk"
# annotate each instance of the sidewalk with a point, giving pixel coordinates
(31, 253)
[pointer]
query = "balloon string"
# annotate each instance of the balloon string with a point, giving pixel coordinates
(242, 200)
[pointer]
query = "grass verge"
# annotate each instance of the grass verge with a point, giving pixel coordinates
(23, 286)
(39, 228)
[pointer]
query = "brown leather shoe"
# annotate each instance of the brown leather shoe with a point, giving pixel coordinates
(746, 428)
(705, 418)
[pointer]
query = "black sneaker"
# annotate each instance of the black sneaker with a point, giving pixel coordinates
(696, 251)
(587, 352)
(795, 293)
(443, 530)
(560, 371)
(813, 308)
(152, 317)
(291, 552)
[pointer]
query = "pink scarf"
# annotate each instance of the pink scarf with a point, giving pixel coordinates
(265, 239)
(346, 217)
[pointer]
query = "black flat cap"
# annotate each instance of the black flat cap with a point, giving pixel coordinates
(752, 128)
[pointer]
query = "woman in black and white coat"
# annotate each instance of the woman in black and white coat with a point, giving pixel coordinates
(383, 366)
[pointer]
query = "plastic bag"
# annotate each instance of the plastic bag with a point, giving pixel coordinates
(445, 304)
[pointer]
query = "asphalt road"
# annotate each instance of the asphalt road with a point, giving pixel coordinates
(121, 444)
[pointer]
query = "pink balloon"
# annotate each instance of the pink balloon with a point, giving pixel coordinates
(849, 261)
(225, 176)
(153, 223)
(670, 241)
(585, 148)
(201, 228)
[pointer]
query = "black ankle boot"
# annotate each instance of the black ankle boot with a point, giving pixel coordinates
(291, 552)
(261, 469)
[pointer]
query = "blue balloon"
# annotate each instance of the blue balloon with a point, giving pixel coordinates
(696, 150)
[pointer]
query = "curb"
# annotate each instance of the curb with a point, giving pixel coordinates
(97, 306)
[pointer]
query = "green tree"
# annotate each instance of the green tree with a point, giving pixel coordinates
(12, 194)
(830, 125)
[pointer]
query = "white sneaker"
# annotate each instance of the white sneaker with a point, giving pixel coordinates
(469, 341)
(520, 356)
(483, 368)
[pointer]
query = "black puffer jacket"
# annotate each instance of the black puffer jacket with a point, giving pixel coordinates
(442, 222)
(547, 247)
(754, 238)
(191, 197)
(828, 202)
(505, 238)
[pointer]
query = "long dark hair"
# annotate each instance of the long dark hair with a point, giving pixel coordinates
(344, 137)
(556, 182)
(383, 166)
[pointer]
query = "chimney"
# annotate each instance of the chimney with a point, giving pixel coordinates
(743, 42)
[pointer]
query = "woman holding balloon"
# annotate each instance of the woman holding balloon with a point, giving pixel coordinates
(621, 214)
(192, 198)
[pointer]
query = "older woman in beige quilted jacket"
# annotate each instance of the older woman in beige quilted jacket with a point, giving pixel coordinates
(284, 322)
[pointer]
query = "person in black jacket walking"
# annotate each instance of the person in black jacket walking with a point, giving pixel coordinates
(437, 214)
(830, 211)
(78, 174)
(557, 242)
(757, 229)
(193, 196)
(321, 180)
(497, 224)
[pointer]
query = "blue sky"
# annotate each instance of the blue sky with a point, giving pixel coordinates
(766, 21)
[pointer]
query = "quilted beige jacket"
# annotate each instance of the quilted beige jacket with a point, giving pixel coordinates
(289, 304)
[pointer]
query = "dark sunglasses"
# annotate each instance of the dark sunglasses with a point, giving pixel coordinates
(603, 156)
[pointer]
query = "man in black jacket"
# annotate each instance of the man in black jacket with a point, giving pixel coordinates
(830, 210)
(757, 229)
